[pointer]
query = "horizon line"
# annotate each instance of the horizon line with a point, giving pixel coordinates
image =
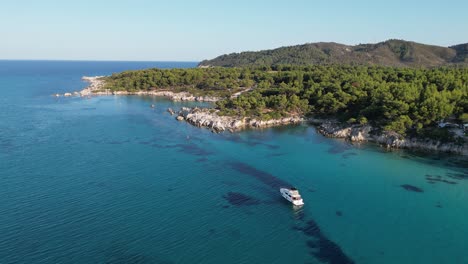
(241, 51)
(105, 60)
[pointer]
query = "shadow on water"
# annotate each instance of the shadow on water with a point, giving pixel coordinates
(188, 148)
(455, 162)
(272, 155)
(297, 130)
(339, 148)
(432, 179)
(264, 177)
(108, 141)
(321, 247)
(458, 163)
(251, 142)
(458, 176)
(88, 108)
(349, 154)
(240, 199)
(119, 253)
(193, 149)
(299, 213)
(412, 188)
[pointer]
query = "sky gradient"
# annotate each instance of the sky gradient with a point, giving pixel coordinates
(191, 31)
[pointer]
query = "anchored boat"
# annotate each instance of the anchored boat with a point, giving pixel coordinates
(292, 195)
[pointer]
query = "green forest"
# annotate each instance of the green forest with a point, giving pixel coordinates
(403, 100)
(390, 53)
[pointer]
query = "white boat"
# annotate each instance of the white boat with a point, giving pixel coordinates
(292, 195)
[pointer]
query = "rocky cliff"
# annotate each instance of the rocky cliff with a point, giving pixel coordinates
(366, 133)
(209, 118)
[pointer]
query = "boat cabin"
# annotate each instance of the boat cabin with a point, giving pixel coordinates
(292, 195)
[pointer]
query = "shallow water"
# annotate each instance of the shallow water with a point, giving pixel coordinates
(111, 180)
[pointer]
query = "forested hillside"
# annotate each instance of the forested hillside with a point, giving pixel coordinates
(395, 53)
(397, 99)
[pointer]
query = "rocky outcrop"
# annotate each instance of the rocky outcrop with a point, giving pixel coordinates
(391, 140)
(209, 118)
(96, 83)
(353, 133)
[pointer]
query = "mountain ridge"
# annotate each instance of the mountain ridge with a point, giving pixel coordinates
(393, 53)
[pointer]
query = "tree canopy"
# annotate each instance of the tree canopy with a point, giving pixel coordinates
(397, 99)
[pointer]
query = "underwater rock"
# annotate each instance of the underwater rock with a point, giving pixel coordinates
(411, 188)
(240, 199)
(349, 154)
(262, 176)
(322, 248)
(433, 179)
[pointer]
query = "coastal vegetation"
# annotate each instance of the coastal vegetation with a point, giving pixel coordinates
(403, 100)
(213, 81)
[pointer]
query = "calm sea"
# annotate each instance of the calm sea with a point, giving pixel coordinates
(112, 180)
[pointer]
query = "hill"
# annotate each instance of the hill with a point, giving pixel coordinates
(394, 53)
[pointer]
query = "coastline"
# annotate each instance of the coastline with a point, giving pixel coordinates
(96, 83)
(389, 140)
(209, 118)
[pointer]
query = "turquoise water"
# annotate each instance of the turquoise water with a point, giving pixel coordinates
(111, 180)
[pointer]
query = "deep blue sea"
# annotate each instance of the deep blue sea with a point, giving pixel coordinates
(112, 180)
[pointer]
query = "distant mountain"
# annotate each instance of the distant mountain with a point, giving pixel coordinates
(397, 53)
(462, 53)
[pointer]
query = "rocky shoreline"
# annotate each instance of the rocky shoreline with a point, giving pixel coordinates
(390, 140)
(209, 118)
(96, 84)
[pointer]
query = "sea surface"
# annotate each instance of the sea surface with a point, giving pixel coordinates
(112, 180)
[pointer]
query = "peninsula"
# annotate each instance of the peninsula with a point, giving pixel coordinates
(398, 107)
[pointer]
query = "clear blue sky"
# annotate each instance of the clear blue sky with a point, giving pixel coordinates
(195, 30)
